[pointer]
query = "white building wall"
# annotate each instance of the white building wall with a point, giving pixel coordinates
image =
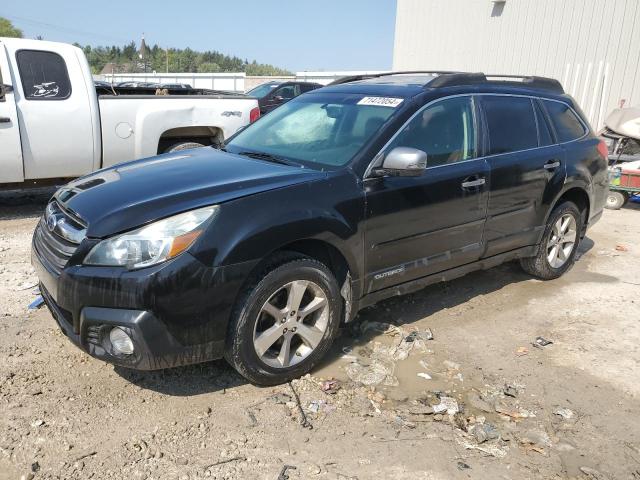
(232, 82)
(591, 46)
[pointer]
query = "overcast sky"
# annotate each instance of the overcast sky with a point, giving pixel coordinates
(293, 34)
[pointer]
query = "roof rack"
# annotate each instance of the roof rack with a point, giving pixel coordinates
(453, 78)
(528, 81)
(365, 76)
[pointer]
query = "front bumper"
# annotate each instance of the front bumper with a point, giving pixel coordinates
(176, 313)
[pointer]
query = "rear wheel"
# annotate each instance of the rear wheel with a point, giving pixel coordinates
(176, 147)
(616, 200)
(285, 323)
(559, 244)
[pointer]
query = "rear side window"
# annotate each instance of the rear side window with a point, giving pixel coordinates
(44, 75)
(568, 126)
(511, 122)
(543, 126)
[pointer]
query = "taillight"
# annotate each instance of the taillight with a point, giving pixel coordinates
(254, 115)
(603, 150)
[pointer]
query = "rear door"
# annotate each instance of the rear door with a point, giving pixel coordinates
(527, 171)
(10, 150)
(417, 226)
(56, 122)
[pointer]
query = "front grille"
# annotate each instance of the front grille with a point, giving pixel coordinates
(57, 237)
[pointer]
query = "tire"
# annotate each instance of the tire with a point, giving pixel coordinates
(541, 266)
(176, 147)
(616, 200)
(251, 348)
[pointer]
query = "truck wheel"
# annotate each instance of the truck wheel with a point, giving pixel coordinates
(559, 244)
(176, 147)
(616, 200)
(284, 324)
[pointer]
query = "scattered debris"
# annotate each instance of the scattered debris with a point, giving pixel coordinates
(426, 334)
(228, 460)
(463, 466)
(513, 412)
(330, 387)
(316, 405)
(492, 449)
(536, 438)
(622, 248)
(426, 376)
(541, 342)
(36, 304)
(521, 351)
(484, 432)
(304, 422)
(283, 472)
(26, 286)
(374, 374)
(592, 473)
(37, 423)
(564, 413)
(510, 391)
(451, 365)
(448, 405)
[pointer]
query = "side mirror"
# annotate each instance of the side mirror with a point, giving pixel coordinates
(4, 88)
(403, 162)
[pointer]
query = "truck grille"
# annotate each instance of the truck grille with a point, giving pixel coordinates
(57, 237)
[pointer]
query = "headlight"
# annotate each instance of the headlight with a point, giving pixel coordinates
(152, 244)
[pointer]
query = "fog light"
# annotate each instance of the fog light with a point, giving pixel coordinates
(120, 341)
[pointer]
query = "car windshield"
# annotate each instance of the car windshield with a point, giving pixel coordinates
(262, 90)
(317, 130)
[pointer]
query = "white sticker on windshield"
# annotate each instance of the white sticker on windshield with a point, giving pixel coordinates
(381, 101)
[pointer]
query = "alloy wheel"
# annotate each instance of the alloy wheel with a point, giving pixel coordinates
(562, 241)
(291, 324)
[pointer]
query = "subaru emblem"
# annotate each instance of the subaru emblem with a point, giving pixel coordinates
(51, 222)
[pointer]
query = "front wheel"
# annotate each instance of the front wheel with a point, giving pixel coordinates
(559, 244)
(176, 147)
(616, 200)
(284, 324)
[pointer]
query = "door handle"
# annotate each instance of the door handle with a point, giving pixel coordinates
(5, 120)
(473, 183)
(551, 165)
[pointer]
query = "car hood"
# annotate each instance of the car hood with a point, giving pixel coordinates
(132, 194)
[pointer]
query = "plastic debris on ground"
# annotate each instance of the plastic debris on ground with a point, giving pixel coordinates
(564, 413)
(330, 387)
(426, 376)
(541, 342)
(37, 303)
(448, 405)
(513, 412)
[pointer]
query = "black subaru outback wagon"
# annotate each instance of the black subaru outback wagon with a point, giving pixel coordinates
(344, 196)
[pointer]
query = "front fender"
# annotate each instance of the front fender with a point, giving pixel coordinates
(329, 210)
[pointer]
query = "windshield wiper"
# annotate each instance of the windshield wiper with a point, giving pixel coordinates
(268, 157)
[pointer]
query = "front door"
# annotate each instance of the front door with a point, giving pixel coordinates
(10, 150)
(54, 95)
(417, 226)
(527, 171)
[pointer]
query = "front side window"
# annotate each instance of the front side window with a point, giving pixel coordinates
(317, 130)
(565, 122)
(444, 131)
(44, 75)
(511, 123)
(288, 92)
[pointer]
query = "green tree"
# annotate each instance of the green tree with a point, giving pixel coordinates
(208, 67)
(8, 30)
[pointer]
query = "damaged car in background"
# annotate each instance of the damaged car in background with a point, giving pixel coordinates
(258, 252)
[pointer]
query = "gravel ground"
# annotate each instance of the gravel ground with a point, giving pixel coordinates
(487, 403)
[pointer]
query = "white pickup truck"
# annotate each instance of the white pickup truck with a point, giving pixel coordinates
(55, 125)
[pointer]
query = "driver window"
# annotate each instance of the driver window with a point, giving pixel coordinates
(445, 131)
(287, 92)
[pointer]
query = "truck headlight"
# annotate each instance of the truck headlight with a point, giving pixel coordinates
(152, 244)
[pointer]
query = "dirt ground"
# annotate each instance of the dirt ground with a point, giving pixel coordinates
(570, 409)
